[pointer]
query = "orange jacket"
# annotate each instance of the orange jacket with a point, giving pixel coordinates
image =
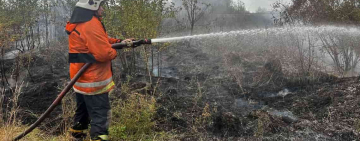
(89, 43)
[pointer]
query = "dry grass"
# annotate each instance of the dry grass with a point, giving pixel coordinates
(132, 117)
(12, 127)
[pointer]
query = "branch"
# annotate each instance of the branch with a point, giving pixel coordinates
(201, 14)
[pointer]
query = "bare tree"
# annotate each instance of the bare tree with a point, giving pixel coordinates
(238, 6)
(342, 50)
(46, 17)
(194, 11)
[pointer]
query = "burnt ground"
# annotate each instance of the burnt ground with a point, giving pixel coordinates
(40, 86)
(328, 108)
(38, 95)
(204, 102)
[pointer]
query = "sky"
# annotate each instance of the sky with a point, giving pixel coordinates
(253, 5)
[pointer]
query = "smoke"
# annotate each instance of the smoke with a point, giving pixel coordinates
(212, 2)
(219, 17)
(250, 5)
(254, 5)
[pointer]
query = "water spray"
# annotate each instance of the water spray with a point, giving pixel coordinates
(270, 31)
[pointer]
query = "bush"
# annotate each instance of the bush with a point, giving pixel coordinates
(132, 119)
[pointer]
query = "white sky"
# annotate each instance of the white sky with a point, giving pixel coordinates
(253, 5)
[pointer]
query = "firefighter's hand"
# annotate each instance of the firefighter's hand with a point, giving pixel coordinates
(128, 42)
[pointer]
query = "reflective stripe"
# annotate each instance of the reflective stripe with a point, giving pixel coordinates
(94, 84)
(103, 90)
(104, 137)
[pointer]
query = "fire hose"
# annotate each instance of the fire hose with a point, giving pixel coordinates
(68, 87)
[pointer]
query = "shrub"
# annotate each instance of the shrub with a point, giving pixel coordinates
(132, 119)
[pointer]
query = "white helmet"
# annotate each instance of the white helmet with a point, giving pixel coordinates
(89, 4)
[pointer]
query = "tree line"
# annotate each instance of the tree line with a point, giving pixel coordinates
(317, 12)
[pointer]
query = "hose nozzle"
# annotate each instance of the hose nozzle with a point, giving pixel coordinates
(140, 42)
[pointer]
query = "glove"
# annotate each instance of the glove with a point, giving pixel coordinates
(128, 42)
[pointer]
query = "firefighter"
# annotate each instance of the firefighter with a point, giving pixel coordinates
(89, 43)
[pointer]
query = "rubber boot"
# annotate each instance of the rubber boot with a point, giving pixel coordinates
(100, 138)
(78, 131)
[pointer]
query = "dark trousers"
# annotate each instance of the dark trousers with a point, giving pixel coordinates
(93, 109)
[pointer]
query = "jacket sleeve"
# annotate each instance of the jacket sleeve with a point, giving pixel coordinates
(98, 43)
